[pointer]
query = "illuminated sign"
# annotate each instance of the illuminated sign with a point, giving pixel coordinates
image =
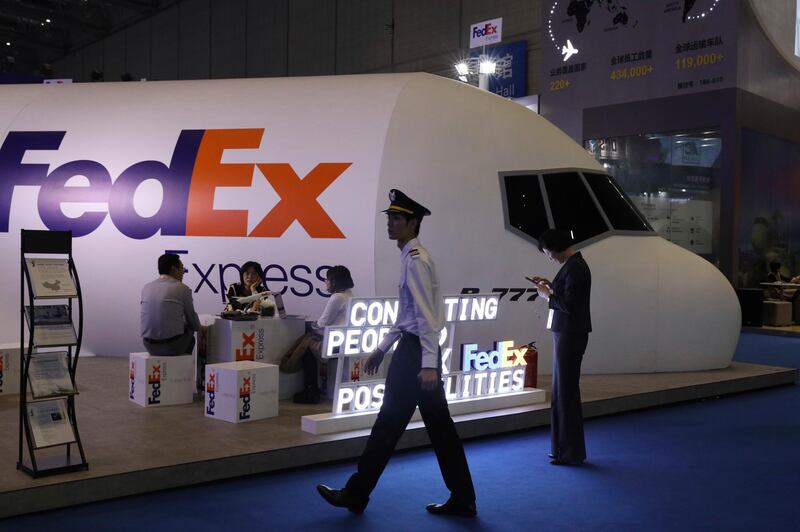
(369, 321)
(568, 50)
(359, 398)
(487, 373)
(503, 356)
(482, 374)
(472, 385)
(189, 184)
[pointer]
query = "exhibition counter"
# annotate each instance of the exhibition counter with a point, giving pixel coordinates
(265, 340)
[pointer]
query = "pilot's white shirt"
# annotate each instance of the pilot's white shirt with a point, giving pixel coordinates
(421, 309)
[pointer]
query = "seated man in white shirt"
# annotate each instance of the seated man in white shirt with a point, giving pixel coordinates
(168, 320)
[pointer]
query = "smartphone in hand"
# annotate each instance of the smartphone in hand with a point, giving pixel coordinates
(538, 280)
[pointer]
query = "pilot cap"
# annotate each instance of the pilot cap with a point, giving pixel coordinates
(400, 203)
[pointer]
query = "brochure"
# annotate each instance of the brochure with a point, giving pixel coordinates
(51, 278)
(49, 375)
(52, 325)
(49, 423)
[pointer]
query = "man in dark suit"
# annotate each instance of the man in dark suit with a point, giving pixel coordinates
(570, 321)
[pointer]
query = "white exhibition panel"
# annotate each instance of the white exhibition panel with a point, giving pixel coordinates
(305, 123)
(658, 308)
(329, 422)
(699, 315)
(655, 306)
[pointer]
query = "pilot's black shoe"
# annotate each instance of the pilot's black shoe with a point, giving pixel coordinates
(560, 461)
(342, 499)
(453, 507)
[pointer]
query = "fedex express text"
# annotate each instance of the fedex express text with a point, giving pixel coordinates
(189, 183)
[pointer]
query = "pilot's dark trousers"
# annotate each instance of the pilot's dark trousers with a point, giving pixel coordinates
(402, 394)
(566, 414)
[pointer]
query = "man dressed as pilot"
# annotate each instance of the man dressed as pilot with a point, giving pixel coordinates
(414, 377)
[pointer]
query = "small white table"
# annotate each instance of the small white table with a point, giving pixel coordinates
(262, 340)
(243, 391)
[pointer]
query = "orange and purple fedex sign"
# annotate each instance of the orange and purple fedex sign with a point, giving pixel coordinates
(189, 183)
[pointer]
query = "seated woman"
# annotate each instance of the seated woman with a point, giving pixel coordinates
(250, 282)
(306, 352)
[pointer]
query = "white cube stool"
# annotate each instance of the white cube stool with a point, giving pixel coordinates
(160, 381)
(777, 313)
(9, 369)
(243, 391)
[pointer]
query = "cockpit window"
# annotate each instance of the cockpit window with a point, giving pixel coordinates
(572, 206)
(525, 205)
(618, 208)
(589, 204)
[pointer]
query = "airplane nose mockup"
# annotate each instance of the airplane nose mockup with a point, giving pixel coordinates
(657, 307)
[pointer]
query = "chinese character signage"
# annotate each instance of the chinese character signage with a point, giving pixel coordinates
(510, 79)
(605, 53)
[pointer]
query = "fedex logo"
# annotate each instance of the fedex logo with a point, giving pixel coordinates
(211, 392)
(248, 340)
(189, 183)
(503, 356)
(486, 30)
(244, 397)
(154, 380)
(133, 378)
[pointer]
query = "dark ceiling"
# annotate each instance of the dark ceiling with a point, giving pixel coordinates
(35, 33)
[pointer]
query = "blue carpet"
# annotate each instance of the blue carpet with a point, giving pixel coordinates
(724, 464)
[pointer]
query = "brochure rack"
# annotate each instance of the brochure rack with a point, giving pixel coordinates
(49, 354)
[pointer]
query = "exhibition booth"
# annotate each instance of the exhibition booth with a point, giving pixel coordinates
(294, 175)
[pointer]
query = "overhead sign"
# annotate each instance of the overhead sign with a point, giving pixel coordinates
(606, 53)
(486, 32)
(482, 374)
(510, 79)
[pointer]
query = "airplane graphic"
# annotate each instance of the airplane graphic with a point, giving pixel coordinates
(568, 50)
